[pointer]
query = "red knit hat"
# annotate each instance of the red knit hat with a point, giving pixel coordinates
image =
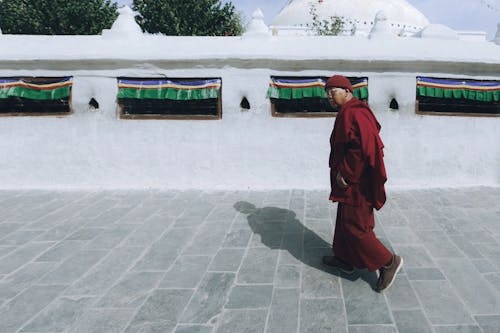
(339, 81)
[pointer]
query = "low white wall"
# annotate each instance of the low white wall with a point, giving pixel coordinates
(243, 150)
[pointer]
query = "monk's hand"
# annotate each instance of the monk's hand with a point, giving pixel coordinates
(341, 181)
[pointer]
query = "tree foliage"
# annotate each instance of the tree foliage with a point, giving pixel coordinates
(332, 27)
(56, 17)
(188, 17)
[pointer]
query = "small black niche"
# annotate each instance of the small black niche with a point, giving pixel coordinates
(394, 104)
(245, 104)
(93, 104)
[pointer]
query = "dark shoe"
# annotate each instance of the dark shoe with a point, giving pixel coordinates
(388, 273)
(332, 261)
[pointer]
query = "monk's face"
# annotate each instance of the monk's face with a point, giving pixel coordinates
(337, 96)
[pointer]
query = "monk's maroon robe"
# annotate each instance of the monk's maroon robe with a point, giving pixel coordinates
(357, 152)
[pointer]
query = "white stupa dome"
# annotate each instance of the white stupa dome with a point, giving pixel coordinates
(359, 14)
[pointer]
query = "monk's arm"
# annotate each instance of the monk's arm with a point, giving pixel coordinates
(351, 165)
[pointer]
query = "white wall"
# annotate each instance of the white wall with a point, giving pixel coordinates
(243, 150)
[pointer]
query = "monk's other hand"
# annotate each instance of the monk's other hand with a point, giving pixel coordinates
(341, 181)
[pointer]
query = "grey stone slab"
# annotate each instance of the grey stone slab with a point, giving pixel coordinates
(4, 250)
(59, 315)
(237, 238)
(268, 239)
(148, 233)
(490, 252)
(20, 237)
(292, 249)
(138, 215)
(249, 296)
(106, 273)
(314, 239)
(163, 253)
(108, 217)
(131, 291)
(401, 235)
(7, 228)
(174, 208)
(240, 222)
(248, 321)
(55, 218)
(372, 329)
(420, 219)
(16, 312)
(322, 315)
(472, 287)
(317, 209)
(102, 320)
(401, 295)
(313, 257)
(319, 283)
(228, 260)
(479, 237)
(391, 218)
(95, 209)
(207, 241)
(258, 266)
(21, 256)
(284, 312)
(297, 202)
(405, 200)
(73, 268)
(412, 321)
(61, 251)
(424, 273)
(60, 231)
(13, 284)
(277, 196)
(288, 276)
(363, 305)
(161, 310)
(193, 329)
(223, 212)
(256, 197)
(186, 272)
(467, 247)
(85, 233)
(414, 256)
(489, 324)
(31, 214)
(208, 299)
(441, 303)
(438, 244)
(110, 238)
(195, 214)
(485, 266)
(494, 280)
(457, 329)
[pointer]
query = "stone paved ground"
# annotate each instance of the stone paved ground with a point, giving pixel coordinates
(148, 261)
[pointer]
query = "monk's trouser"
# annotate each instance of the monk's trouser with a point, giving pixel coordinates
(354, 240)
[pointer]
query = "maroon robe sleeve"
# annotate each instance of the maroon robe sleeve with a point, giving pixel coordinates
(372, 147)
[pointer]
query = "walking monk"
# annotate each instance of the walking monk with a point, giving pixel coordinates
(357, 177)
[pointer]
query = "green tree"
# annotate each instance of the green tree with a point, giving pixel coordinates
(332, 27)
(188, 17)
(56, 17)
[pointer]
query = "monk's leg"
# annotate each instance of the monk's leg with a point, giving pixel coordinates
(354, 240)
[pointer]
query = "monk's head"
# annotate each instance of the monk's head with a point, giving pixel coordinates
(338, 90)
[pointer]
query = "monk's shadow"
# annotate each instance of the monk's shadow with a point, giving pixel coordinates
(279, 228)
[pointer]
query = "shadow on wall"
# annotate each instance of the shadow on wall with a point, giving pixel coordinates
(279, 228)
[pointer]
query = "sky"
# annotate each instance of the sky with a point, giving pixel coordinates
(457, 14)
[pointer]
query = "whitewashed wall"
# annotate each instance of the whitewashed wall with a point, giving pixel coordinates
(244, 150)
